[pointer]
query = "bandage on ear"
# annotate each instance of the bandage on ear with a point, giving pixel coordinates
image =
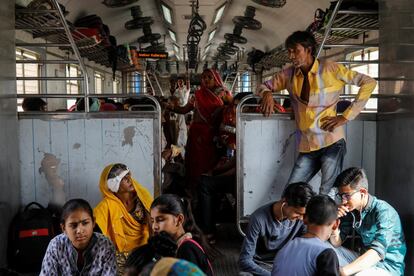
(113, 183)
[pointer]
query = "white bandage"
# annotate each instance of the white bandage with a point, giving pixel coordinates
(113, 183)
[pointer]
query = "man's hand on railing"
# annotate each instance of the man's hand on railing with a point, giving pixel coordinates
(267, 103)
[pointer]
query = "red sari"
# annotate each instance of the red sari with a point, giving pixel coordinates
(201, 152)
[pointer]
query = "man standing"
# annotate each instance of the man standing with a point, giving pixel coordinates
(271, 227)
(375, 221)
(182, 93)
(314, 87)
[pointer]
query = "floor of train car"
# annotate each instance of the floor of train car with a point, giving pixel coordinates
(229, 242)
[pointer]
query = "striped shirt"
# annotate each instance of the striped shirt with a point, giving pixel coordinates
(326, 81)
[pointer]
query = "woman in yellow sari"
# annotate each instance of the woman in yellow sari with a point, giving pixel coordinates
(123, 213)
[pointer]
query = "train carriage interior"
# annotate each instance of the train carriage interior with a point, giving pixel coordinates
(85, 84)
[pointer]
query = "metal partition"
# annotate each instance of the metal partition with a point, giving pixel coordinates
(266, 151)
(63, 154)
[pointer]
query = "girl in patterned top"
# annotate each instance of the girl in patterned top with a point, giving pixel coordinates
(78, 250)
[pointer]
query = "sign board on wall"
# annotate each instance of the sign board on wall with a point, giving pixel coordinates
(156, 55)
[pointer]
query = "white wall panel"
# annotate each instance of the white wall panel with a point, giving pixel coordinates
(268, 152)
(81, 148)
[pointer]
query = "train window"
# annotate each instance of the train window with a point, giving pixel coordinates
(247, 82)
(99, 82)
(115, 86)
(72, 86)
(26, 70)
(135, 81)
(370, 69)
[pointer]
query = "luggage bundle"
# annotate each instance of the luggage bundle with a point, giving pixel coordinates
(29, 235)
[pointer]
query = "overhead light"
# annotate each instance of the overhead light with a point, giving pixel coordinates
(219, 14)
(172, 35)
(176, 48)
(207, 48)
(211, 35)
(167, 13)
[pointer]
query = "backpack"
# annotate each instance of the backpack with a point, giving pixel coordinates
(29, 235)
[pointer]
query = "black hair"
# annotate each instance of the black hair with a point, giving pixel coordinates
(304, 38)
(138, 259)
(174, 205)
(298, 194)
(116, 169)
(33, 104)
(321, 210)
(158, 246)
(74, 205)
(355, 177)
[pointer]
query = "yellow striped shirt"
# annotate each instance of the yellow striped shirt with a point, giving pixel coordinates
(326, 80)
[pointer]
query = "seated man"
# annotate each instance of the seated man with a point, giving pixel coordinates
(272, 226)
(375, 221)
(310, 254)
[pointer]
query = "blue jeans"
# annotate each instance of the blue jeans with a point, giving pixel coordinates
(329, 160)
(346, 256)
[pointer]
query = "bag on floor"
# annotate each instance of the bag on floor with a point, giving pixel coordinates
(29, 235)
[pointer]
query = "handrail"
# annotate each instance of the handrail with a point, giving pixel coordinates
(76, 51)
(157, 105)
(70, 96)
(328, 27)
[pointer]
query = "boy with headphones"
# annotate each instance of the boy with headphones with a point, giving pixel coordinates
(375, 221)
(272, 226)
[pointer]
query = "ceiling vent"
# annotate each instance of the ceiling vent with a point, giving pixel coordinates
(271, 3)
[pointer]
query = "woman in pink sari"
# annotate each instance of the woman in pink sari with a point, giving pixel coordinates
(207, 104)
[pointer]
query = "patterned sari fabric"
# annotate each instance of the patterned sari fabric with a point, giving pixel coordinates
(201, 150)
(175, 267)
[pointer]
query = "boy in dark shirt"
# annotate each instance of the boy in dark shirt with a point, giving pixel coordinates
(311, 254)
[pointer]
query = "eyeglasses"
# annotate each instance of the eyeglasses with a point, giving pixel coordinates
(346, 196)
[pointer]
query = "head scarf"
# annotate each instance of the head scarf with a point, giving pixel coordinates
(208, 101)
(115, 221)
(175, 267)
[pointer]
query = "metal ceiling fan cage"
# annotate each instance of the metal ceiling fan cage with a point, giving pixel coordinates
(247, 21)
(149, 36)
(138, 20)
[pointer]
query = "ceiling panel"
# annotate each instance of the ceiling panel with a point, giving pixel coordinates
(277, 23)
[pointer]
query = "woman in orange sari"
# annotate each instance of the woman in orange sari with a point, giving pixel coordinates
(207, 104)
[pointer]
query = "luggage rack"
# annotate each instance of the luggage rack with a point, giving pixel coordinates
(47, 24)
(342, 25)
